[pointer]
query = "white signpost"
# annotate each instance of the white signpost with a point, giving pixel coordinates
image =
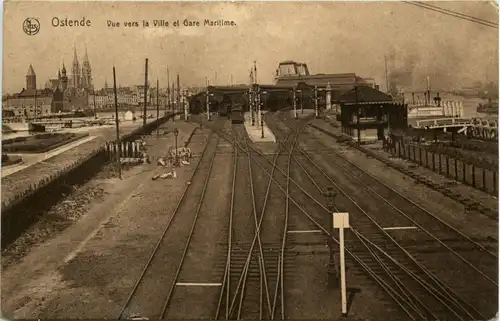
(341, 221)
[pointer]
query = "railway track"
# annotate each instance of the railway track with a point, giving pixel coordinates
(151, 295)
(308, 215)
(371, 239)
(405, 286)
(251, 277)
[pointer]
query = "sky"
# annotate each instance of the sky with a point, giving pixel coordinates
(331, 37)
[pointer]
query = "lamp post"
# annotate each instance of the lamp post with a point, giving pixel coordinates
(254, 100)
(176, 133)
(301, 102)
(333, 272)
(261, 125)
(208, 104)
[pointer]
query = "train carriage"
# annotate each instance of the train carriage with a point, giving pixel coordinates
(237, 116)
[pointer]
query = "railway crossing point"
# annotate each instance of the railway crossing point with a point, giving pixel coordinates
(341, 221)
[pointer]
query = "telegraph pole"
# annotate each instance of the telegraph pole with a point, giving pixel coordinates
(173, 102)
(145, 93)
(255, 71)
(386, 75)
(118, 145)
(168, 89)
(357, 114)
(178, 92)
(157, 107)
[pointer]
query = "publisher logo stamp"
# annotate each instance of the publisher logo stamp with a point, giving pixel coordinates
(31, 26)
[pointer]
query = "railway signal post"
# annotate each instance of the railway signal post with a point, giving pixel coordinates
(294, 104)
(258, 107)
(333, 272)
(341, 221)
(208, 105)
(316, 100)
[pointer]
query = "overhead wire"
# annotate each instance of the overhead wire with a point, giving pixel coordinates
(453, 13)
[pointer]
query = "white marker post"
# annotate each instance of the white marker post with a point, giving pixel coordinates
(341, 221)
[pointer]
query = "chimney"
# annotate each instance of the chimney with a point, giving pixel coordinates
(377, 87)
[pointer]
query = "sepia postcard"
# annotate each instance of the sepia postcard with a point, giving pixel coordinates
(250, 160)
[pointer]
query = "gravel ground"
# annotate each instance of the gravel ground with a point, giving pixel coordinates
(207, 249)
(307, 282)
(86, 271)
(457, 275)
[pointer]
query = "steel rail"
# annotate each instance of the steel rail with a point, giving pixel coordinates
(418, 278)
(381, 282)
(346, 170)
(309, 176)
(226, 284)
(281, 258)
(195, 220)
(377, 279)
(258, 226)
(354, 256)
(243, 276)
(319, 188)
(158, 243)
(321, 205)
(418, 264)
(428, 273)
(398, 282)
(411, 201)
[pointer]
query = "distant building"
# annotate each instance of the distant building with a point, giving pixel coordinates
(32, 102)
(77, 87)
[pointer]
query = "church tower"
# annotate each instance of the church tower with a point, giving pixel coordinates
(75, 72)
(64, 79)
(86, 71)
(31, 79)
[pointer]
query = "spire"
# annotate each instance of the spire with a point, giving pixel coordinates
(75, 57)
(31, 72)
(86, 57)
(59, 74)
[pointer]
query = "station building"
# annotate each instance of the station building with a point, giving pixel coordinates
(368, 114)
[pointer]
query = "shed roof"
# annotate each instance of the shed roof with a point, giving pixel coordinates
(365, 94)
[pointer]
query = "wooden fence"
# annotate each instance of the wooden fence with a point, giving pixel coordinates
(477, 177)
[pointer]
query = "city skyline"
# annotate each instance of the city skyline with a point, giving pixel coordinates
(329, 37)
